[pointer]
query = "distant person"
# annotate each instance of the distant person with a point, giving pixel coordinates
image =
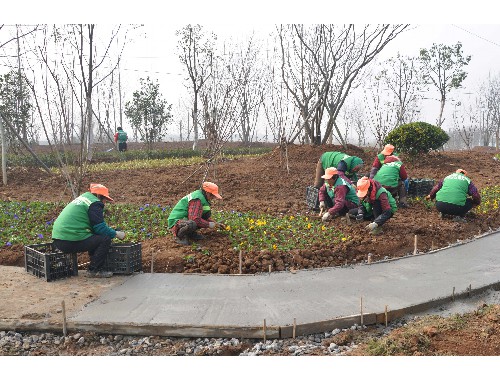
(392, 176)
(193, 212)
(348, 165)
(80, 227)
(337, 195)
(121, 137)
(377, 205)
(455, 195)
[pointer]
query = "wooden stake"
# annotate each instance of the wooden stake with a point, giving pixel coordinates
(370, 258)
(470, 289)
(65, 330)
(294, 328)
(361, 307)
(385, 315)
(453, 294)
(270, 268)
(432, 246)
(152, 255)
(264, 331)
(240, 260)
(415, 251)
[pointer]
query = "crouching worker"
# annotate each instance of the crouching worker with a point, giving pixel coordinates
(377, 204)
(80, 227)
(455, 195)
(337, 195)
(192, 212)
(348, 165)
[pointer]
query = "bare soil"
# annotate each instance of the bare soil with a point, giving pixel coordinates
(263, 184)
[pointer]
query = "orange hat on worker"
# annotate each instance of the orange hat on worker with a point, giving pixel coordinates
(329, 173)
(363, 185)
(211, 188)
(388, 149)
(461, 171)
(97, 188)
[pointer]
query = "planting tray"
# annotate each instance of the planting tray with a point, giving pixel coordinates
(312, 198)
(124, 258)
(420, 187)
(44, 261)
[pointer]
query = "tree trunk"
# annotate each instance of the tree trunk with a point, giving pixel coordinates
(4, 154)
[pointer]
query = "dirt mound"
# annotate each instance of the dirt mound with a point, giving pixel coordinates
(266, 184)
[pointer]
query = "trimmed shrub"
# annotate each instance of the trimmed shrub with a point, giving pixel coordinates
(416, 138)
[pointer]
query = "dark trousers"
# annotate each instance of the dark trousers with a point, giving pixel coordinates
(96, 245)
(122, 146)
(451, 209)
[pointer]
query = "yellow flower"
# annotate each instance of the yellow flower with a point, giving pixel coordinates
(274, 246)
(308, 225)
(323, 228)
(307, 219)
(292, 217)
(265, 233)
(228, 228)
(344, 239)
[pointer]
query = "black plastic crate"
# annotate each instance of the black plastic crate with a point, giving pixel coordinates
(420, 187)
(312, 200)
(124, 258)
(44, 261)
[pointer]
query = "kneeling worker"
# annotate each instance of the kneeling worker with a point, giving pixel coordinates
(337, 194)
(377, 204)
(348, 165)
(80, 227)
(455, 194)
(193, 212)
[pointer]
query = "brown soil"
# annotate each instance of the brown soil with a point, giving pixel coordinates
(263, 185)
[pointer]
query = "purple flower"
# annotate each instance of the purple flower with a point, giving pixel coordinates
(8, 243)
(141, 209)
(146, 205)
(15, 216)
(49, 222)
(40, 236)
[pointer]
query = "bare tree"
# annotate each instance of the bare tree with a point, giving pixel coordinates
(196, 54)
(491, 91)
(442, 67)
(380, 111)
(465, 124)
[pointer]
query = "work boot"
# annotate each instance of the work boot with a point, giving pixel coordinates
(441, 215)
(181, 241)
(403, 205)
(98, 274)
(196, 236)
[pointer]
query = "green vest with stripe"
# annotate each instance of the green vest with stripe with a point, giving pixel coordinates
(180, 210)
(351, 194)
(122, 136)
(381, 157)
(392, 202)
(388, 174)
(454, 190)
(332, 159)
(73, 222)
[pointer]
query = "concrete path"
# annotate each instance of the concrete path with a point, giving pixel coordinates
(318, 300)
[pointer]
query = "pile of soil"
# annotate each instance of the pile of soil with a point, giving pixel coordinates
(274, 183)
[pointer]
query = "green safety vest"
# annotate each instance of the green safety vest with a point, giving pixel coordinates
(381, 157)
(351, 194)
(454, 190)
(73, 222)
(332, 159)
(392, 202)
(122, 136)
(180, 210)
(388, 174)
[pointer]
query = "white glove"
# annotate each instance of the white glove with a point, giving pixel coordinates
(211, 224)
(120, 235)
(326, 217)
(371, 226)
(321, 208)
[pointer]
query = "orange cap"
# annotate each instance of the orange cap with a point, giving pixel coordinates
(97, 188)
(329, 173)
(363, 185)
(461, 171)
(211, 188)
(388, 149)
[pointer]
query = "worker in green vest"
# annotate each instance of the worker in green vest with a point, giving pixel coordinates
(349, 166)
(455, 195)
(380, 159)
(121, 138)
(392, 176)
(80, 227)
(193, 212)
(337, 195)
(377, 205)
